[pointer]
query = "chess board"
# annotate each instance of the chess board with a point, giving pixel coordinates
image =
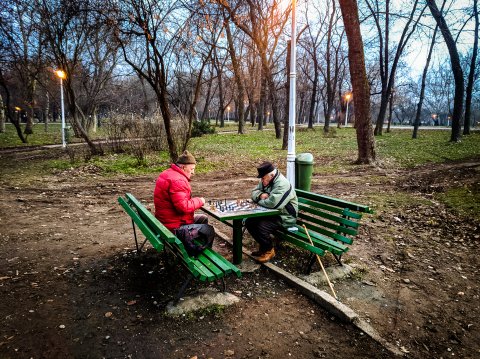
(230, 206)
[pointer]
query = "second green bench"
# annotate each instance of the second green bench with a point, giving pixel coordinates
(332, 224)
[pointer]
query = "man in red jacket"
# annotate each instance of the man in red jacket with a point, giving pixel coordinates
(174, 205)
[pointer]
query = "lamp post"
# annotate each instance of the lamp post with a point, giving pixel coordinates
(61, 74)
(17, 113)
(291, 100)
(348, 95)
(228, 113)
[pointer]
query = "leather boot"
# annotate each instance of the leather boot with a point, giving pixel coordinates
(266, 256)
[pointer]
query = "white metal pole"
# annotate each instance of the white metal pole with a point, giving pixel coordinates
(64, 143)
(346, 115)
(292, 100)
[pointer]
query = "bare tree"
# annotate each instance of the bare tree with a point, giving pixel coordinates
(456, 69)
(388, 67)
(67, 25)
(361, 88)
(238, 76)
(471, 75)
(416, 123)
(23, 44)
(263, 22)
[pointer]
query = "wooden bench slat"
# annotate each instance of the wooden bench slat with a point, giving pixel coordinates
(152, 237)
(210, 265)
(334, 227)
(325, 232)
(340, 210)
(343, 216)
(223, 263)
(334, 201)
(290, 237)
(323, 242)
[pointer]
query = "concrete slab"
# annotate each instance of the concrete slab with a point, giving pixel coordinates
(204, 299)
(335, 273)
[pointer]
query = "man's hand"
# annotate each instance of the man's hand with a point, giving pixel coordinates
(202, 200)
(264, 196)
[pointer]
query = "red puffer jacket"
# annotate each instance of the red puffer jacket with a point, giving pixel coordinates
(174, 205)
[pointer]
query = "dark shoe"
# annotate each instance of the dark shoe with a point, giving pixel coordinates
(266, 256)
(257, 253)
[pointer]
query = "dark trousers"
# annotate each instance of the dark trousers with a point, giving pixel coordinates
(260, 229)
(200, 222)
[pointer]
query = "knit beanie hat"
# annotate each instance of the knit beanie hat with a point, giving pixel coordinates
(186, 159)
(265, 168)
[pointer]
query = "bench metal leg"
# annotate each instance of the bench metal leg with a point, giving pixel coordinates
(183, 288)
(338, 259)
(311, 262)
(139, 248)
(223, 285)
(135, 235)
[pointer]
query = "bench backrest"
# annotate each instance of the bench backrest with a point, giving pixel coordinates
(331, 217)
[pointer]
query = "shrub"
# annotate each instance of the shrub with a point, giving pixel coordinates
(201, 128)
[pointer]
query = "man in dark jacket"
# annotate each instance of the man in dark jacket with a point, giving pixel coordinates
(273, 191)
(174, 205)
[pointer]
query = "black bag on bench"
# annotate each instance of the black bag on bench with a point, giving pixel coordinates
(203, 233)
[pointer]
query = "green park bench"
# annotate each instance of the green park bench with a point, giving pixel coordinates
(332, 224)
(209, 266)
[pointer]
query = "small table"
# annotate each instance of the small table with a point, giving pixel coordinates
(236, 211)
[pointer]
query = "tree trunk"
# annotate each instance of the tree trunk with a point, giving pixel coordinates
(313, 98)
(390, 111)
(456, 69)
(47, 111)
(238, 79)
(287, 92)
(471, 75)
(207, 99)
(263, 95)
(2, 116)
(360, 85)
(422, 88)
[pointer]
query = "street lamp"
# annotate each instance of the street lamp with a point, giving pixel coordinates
(228, 113)
(61, 74)
(291, 100)
(348, 95)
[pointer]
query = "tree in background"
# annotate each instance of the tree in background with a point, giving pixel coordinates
(456, 69)
(471, 74)
(384, 21)
(360, 85)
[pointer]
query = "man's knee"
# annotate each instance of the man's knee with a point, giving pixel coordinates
(200, 219)
(208, 231)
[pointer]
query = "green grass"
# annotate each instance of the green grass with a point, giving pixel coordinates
(238, 155)
(430, 146)
(465, 200)
(53, 135)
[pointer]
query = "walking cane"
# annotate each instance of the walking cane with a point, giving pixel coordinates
(320, 262)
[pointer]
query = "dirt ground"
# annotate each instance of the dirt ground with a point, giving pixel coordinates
(72, 286)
